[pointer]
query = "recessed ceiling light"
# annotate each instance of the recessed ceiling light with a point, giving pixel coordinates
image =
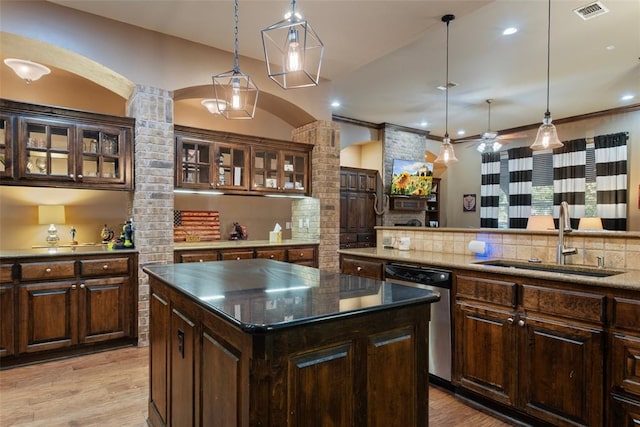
(335, 104)
(461, 132)
(628, 97)
(509, 31)
(610, 47)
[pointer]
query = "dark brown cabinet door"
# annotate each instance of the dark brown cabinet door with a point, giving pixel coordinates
(182, 371)
(48, 316)
(7, 317)
(486, 351)
(103, 309)
(353, 217)
(624, 412)
(159, 358)
(561, 372)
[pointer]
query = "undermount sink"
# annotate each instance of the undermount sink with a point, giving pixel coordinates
(564, 269)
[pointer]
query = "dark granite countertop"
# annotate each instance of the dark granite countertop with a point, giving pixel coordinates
(259, 294)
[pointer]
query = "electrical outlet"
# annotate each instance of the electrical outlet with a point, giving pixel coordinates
(387, 241)
(306, 223)
(287, 225)
(300, 223)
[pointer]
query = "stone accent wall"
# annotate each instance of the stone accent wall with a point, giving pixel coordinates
(325, 213)
(152, 202)
(399, 144)
(618, 251)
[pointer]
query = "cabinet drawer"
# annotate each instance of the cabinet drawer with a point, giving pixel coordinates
(348, 237)
(5, 273)
(102, 267)
(493, 291)
(362, 268)
(366, 237)
(238, 255)
(625, 354)
(275, 254)
(199, 257)
(47, 270)
(626, 313)
(301, 254)
(569, 304)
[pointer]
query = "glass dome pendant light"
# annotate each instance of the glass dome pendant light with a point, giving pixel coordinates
(547, 136)
(234, 88)
(292, 51)
(447, 154)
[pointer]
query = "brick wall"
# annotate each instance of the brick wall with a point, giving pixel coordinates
(152, 201)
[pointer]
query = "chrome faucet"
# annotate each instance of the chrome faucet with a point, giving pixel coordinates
(564, 226)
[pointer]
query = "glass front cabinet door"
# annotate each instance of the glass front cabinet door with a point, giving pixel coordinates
(232, 167)
(102, 156)
(6, 147)
(46, 151)
(193, 163)
(265, 170)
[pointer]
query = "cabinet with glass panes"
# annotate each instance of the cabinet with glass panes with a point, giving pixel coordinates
(50, 146)
(280, 170)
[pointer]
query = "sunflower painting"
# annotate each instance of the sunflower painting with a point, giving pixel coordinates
(411, 178)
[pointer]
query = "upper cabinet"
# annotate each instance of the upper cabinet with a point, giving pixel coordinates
(50, 146)
(240, 164)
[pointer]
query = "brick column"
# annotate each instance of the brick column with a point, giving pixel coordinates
(152, 203)
(323, 209)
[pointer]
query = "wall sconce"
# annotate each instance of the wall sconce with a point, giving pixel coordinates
(51, 215)
(590, 223)
(541, 222)
(27, 70)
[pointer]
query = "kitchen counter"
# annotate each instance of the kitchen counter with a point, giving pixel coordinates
(231, 244)
(62, 251)
(630, 279)
(264, 342)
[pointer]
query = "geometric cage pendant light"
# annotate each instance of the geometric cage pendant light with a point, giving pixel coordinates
(547, 136)
(292, 51)
(447, 154)
(235, 89)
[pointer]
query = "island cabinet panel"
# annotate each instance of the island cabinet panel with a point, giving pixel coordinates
(220, 388)
(7, 312)
(183, 351)
(159, 358)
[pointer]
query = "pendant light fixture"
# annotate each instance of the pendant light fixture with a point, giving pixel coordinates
(547, 136)
(292, 51)
(447, 154)
(235, 88)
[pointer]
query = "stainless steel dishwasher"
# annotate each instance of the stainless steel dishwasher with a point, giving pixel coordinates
(440, 326)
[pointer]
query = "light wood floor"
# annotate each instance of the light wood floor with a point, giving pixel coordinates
(110, 389)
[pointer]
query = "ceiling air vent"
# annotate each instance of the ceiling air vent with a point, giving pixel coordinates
(591, 10)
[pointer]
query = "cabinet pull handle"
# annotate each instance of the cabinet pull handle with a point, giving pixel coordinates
(520, 322)
(105, 267)
(47, 270)
(359, 269)
(510, 320)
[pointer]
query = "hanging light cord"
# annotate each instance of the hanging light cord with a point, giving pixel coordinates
(548, 113)
(446, 85)
(236, 66)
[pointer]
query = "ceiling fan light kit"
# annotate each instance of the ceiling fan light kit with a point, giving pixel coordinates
(447, 154)
(235, 88)
(547, 136)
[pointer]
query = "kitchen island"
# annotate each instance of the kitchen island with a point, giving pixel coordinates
(266, 343)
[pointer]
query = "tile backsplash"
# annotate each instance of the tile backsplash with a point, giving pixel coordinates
(619, 249)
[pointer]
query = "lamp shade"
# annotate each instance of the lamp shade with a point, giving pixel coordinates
(590, 223)
(540, 222)
(51, 214)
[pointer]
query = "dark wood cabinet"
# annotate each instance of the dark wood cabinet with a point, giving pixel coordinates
(372, 269)
(357, 207)
(68, 305)
(50, 146)
(240, 164)
(298, 254)
(7, 312)
(536, 348)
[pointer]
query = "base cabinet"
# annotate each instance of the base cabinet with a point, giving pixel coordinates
(538, 350)
(67, 305)
(297, 254)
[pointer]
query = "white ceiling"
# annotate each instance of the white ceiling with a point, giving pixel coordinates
(385, 58)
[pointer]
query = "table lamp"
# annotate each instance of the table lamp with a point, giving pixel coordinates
(51, 215)
(541, 222)
(590, 223)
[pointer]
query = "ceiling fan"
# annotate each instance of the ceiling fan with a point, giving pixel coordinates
(490, 141)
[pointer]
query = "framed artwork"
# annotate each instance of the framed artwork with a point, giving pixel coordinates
(469, 203)
(411, 178)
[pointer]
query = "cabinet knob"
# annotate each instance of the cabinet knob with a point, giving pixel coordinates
(272, 256)
(82, 286)
(237, 258)
(105, 267)
(520, 322)
(359, 269)
(73, 286)
(80, 176)
(71, 175)
(510, 320)
(47, 270)
(301, 254)
(200, 260)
